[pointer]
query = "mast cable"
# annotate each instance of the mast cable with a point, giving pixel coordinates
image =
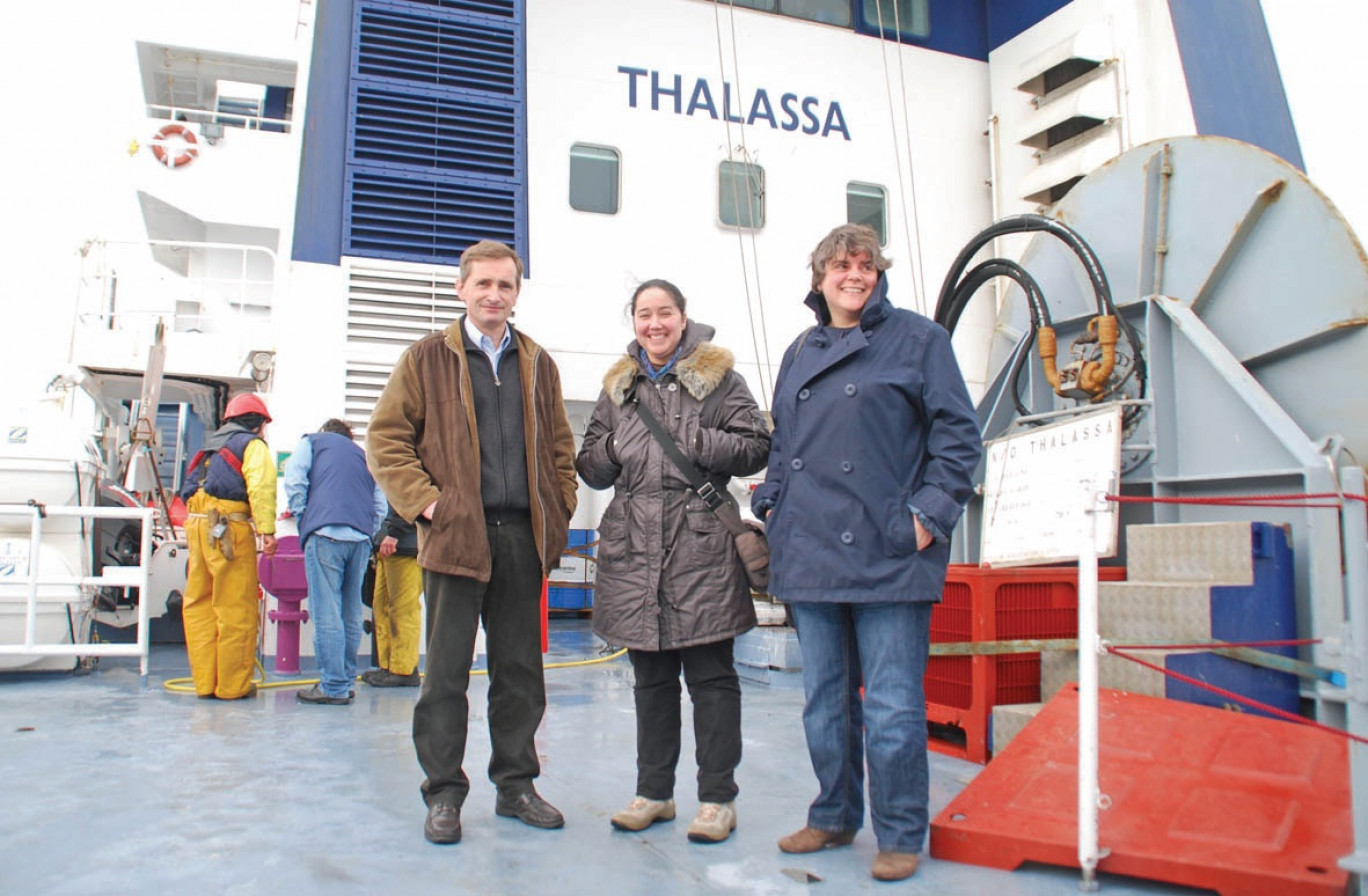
(913, 259)
(762, 369)
(911, 169)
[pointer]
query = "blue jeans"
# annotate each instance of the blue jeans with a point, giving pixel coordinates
(335, 570)
(884, 647)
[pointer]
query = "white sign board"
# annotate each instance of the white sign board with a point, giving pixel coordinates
(1036, 500)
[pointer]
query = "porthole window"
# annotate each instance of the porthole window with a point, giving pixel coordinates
(868, 204)
(741, 194)
(594, 178)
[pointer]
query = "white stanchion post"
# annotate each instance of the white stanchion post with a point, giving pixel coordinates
(144, 569)
(1354, 531)
(1088, 789)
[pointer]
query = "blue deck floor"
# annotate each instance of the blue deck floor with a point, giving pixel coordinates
(113, 788)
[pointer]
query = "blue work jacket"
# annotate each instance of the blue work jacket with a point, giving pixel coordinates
(868, 422)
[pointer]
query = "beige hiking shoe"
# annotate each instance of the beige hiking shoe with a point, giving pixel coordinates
(713, 823)
(641, 813)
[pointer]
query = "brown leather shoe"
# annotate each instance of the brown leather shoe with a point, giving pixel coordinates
(443, 824)
(529, 808)
(813, 840)
(894, 865)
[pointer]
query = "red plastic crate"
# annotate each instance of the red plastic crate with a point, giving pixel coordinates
(995, 605)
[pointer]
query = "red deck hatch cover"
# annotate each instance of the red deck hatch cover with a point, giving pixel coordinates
(1201, 797)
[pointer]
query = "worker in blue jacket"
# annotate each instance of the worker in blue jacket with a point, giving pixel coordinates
(874, 449)
(340, 508)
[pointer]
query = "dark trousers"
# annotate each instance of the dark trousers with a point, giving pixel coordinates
(510, 607)
(710, 674)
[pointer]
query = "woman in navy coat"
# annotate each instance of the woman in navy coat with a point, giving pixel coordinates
(874, 448)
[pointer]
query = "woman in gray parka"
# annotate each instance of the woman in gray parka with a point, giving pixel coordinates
(670, 586)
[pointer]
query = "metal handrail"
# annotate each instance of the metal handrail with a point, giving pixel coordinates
(105, 270)
(205, 116)
(113, 576)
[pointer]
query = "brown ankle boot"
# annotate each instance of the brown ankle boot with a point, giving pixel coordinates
(894, 865)
(812, 840)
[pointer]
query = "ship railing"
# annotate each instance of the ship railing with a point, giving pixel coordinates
(247, 120)
(195, 303)
(22, 574)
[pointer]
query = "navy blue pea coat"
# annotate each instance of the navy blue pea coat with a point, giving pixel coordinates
(867, 422)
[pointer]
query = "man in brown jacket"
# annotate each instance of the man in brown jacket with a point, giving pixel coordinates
(470, 440)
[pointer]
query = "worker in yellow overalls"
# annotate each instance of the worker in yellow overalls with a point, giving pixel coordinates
(230, 493)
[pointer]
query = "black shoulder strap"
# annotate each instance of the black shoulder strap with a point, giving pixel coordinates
(696, 479)
(716, 501)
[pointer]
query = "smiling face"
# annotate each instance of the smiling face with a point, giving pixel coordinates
(659, 324)
(490, 291)
(847, 283)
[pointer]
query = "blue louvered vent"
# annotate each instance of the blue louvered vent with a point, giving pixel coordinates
(436, 148)
(421, 219)
(431, 51)
(417, 131)
(506, 9)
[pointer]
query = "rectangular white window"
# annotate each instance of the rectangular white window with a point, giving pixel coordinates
(594, 179)
(868, 204)
(741, 194)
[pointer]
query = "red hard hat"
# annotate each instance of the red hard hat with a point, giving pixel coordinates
(246, 403)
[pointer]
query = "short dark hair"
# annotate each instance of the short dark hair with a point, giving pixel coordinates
(664, 286)
(338, 426)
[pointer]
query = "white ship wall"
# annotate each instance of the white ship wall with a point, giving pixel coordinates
(73, 178)
(584, 265)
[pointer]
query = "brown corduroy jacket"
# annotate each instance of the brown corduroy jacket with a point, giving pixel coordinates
(422, 444)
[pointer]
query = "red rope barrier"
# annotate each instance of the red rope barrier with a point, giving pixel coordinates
(1298, 642)
(1231, 695)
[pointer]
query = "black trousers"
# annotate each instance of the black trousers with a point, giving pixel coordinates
(509, 605)
(710, 673)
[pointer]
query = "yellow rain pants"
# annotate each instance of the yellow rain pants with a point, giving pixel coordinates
(221, 610)
(398, 613)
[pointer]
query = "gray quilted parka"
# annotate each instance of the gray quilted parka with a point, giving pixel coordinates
(668, 573)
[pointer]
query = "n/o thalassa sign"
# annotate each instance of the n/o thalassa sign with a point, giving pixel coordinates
(1036, 504)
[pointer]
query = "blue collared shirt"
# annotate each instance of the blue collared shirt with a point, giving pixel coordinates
(297, 494)
(492, 352)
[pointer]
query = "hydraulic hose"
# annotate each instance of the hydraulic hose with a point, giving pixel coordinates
(949, 315)
(950, 304)
(1040, 313)
(1029, 224)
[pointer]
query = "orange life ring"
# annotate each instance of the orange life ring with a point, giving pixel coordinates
(185, 156)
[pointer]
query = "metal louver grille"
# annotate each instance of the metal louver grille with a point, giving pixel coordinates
(416, 131)
(388, 309)
(503, 8)
(436, 52)
(436, 147)
(425, 220)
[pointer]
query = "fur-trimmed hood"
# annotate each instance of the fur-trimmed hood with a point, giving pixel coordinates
(700, 369)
